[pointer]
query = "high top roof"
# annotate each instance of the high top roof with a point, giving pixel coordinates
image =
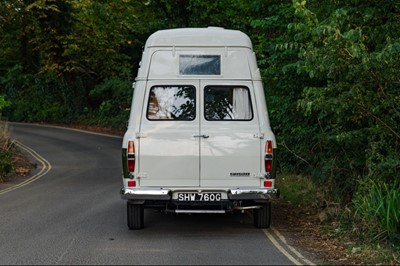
(211, 36)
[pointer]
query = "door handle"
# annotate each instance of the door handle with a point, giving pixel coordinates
(201, 136)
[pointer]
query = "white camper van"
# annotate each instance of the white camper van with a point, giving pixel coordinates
(199, 138)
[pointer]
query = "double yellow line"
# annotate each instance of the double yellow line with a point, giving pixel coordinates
(284, 250)
(46, 167)
(297, 258)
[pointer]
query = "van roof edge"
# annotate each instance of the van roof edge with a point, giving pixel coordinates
(199, 37)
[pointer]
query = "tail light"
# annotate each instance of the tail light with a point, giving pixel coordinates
(131, 156)
(268, 156)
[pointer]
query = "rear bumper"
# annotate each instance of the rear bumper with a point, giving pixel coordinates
(145, 194)
(253, 194)
(232, 194)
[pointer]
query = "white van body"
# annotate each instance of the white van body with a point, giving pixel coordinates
(199, 138)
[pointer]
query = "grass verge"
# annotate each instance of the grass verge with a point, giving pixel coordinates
(334, 231)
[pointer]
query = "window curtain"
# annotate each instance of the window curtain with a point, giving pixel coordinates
(241, 104)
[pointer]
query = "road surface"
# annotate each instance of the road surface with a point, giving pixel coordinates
(70, 212)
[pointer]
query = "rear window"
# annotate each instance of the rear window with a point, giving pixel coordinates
(172, 103)
(227, 103)
(200, 65)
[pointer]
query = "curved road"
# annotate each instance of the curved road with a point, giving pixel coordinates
(71, 213)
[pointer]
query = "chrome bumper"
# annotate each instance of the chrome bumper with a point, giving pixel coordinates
(145, 194)
(254, 194)
(166, 194)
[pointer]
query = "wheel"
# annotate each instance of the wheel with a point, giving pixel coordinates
(135, 214)
(262, 216)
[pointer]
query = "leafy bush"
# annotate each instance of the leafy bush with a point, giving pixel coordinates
(3, 102)
(297, 190)
(113, 98)
(331, 73)
(5, 151)
(40, 98)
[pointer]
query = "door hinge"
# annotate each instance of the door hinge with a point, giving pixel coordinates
(259, 135)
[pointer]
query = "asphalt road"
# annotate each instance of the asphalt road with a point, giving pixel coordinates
(72, 214)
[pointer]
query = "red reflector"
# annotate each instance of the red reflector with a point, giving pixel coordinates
(131, 165)
(268, 165)
(131, 183)
(268, 183)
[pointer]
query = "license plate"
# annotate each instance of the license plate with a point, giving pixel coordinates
(199, 196)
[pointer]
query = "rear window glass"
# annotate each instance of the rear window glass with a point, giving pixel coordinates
(200, 65)
(227, 103)
(172, 103)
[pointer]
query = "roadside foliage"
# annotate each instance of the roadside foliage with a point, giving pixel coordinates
(331, 70)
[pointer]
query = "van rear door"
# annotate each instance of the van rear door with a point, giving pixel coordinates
(230, 149)
(168, 139)
(207, 137)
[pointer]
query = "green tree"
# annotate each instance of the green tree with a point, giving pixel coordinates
(277, 52)
(10, 30)
(356, 52)
(333, 66)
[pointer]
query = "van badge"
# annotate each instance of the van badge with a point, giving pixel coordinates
(240, 174)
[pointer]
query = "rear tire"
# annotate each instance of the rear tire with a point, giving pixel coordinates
(262, 216)
(135, 213)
